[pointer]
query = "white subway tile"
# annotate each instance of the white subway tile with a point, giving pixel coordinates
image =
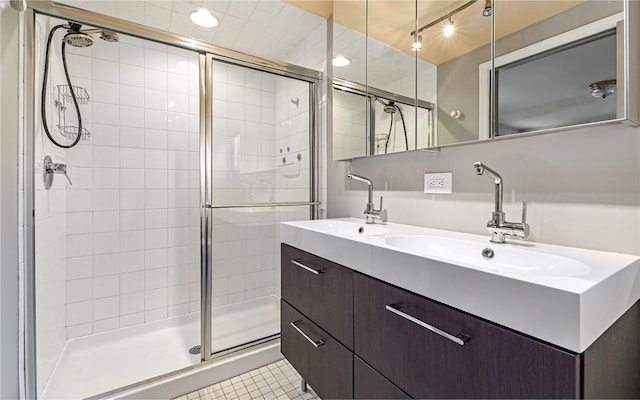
(78, 290)
(178, 160)
(177, 83)
(105, 92)
(155, 219)
(131, 240)
(106, 178)
(79, 267)
(155, 238)
(132, 199)
(105, 308)
(178, 294)
(107, 114)
(79, 222)
(131, 137)
(131, 75)
(155, 79)
(104, 70)
(132, 319)
(132, 220)
(132, 261)
(131, 303)
(178, 309)
(106, 221)
(155, 99)
(105, 199)
(177, 121)
(78, 313)
(178, 141)
(131, 54)
(155, 119)
(106, 264)
(155, 139)
(106, 325)
(178, 102)
(82, 178)
(155, 199)
(155, 59)
(178, 198)
(155, 179)
(154, 315)
(131, 158)
(155, 278)
(178, 179)
(155, 298)
(105, 243)
(75, 331)
(132, 282)
(132, 96)
(79, 245)
(78, 200)
(106, 286)
(132, 178)
(155, 258)
(132, 116)
(178, 275)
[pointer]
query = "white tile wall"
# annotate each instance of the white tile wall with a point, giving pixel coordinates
(127, 182)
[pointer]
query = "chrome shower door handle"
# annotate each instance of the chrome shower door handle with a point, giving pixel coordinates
(315, 343)
(460, 338)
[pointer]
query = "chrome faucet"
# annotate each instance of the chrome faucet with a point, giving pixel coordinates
(370, 213)
(497, 226)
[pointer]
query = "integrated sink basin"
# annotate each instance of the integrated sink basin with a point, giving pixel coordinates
(348, 228)
(496, 258)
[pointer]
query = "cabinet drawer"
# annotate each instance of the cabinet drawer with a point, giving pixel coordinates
(391, 335)
(369, 384)
(323, 362)
(321, 290)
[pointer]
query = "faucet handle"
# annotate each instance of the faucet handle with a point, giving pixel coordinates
(524, 212)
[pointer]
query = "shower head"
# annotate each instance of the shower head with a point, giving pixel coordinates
(390, 107)
(109, 36)
(78, 39)
(82, 38)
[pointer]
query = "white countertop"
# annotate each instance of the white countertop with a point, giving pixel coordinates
(568, 311)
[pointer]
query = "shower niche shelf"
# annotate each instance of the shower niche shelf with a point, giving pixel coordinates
(65, 97)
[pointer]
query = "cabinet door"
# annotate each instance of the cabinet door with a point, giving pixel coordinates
(370, 384)
(323, 362)
(321, 290)
(493, 362)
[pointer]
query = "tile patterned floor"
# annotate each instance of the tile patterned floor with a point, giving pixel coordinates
(273, 381)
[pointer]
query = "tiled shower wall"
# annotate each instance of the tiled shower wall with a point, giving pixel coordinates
(133, 208)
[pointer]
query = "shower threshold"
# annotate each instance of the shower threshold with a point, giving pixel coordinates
(108, 361)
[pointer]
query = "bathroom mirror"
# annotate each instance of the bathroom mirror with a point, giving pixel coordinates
(559, 64)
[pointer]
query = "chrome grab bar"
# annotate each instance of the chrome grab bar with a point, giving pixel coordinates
(307, 268)
(257, 205)
(460, 339)
(315, 343)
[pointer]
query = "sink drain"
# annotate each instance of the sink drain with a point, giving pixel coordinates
(195, 350)
(487, 254)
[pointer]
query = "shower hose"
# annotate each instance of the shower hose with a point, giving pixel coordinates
(43, 105)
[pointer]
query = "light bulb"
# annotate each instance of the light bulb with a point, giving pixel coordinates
(449, 29)
(417, 45)
(341, 61)
(203, 18)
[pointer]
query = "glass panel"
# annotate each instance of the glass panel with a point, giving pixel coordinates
(261, 155)
(117, 252)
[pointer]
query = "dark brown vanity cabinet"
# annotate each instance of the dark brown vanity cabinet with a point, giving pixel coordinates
(353, 336)
(433, 351)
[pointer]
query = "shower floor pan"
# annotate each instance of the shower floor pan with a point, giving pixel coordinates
(96, 364)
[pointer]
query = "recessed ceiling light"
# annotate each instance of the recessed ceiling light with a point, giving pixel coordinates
(204, 18)
(341, 61)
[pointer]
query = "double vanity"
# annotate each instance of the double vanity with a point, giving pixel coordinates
(396, 311)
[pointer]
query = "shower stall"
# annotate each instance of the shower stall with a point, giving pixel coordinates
(160, 169)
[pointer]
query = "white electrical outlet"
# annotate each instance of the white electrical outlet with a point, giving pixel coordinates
(438, 183)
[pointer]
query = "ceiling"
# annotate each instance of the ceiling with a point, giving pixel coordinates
(392, 21)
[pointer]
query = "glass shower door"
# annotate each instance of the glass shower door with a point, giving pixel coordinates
(261, 175)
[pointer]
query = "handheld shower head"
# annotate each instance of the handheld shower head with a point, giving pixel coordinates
(76, 38)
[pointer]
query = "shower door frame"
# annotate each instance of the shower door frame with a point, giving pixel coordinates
(207, 54)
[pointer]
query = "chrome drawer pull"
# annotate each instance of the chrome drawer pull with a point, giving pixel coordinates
(460, 339)
(313, 342)
(306, 268)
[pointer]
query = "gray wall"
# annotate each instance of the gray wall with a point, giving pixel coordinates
(458, 78)
(583, 187)
(9, 204)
